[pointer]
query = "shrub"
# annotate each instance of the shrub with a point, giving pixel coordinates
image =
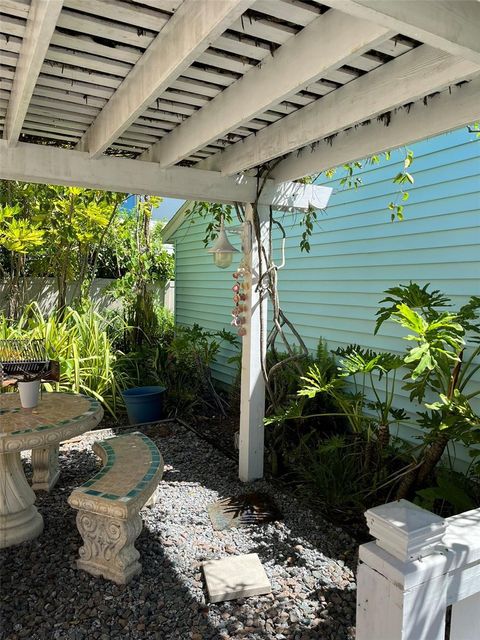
(82, 343)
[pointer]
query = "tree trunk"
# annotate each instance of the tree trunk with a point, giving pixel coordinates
(432, 457)
(62, 293)
(405, 488)
(419, 474)
(383, 436)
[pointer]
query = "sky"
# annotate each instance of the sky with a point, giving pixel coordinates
(165, 211)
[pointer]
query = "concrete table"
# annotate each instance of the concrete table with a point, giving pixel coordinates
(58, 417)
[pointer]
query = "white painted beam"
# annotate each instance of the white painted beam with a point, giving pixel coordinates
(330, 41)
(443, 112)
(189, 31)
(41, 22)
(50, 165)
(450, 25)
(406, 79)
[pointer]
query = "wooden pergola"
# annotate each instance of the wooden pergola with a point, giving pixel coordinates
(188, 98)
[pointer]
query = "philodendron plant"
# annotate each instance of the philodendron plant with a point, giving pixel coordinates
(440, 364)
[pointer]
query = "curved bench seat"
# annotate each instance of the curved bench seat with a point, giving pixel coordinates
(108, 505)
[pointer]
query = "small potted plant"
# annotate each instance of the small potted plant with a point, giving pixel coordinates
(25, 362)
(29, 390)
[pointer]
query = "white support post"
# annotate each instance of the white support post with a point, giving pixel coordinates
(254, 347)
(419, 565)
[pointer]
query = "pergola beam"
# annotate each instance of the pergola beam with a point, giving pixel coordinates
(327, 43)
(50, 165)
(405, 79)
(449, 25)
(443, 112)
(41, 22)
(191, 29)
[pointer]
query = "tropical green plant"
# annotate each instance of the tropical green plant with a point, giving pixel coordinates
(331, 471)
(18, 237)
(80, 341)
(181, 361)
(299, 416)
(439, 373)
(379, 371)
(53, 231)
(452, 491)
(368, 420)
(142, 260)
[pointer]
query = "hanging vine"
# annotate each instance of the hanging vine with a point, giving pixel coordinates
(267, 287)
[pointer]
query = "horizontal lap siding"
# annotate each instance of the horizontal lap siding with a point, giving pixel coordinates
(357, 253)
(203, 292)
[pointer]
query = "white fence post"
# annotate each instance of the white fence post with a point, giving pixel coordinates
(418, 565)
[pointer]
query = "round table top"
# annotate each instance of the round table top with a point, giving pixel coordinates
(58, 417)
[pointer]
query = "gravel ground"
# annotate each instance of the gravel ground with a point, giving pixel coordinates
(308, 561)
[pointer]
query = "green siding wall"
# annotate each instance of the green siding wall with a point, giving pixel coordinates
(357, 253)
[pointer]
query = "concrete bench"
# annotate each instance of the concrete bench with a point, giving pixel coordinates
(108, 505)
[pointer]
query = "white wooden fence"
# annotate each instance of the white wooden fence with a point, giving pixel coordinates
(44, 292)
(416, 568)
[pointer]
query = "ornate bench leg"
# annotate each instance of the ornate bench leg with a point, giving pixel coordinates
(46, 469)
(108, 546)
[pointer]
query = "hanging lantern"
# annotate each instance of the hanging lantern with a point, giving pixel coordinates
(222, 250)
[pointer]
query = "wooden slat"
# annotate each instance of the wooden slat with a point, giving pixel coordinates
(87, 61)
(8, 59)
(196, 86)
(224, 61)
(76, 86)
(18, 8)
(121, 12)
(261, 28)
(74, 73)
(10, 44)
(105, 29)
(86, 44)
(13, 26)
(242, 46)
(296, 12)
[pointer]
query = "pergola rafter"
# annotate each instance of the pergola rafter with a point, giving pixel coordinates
(190, 93)
(41, 23)
(448, 25)
(330, 41)
(415, 74)
(181, 40)
(442, 112)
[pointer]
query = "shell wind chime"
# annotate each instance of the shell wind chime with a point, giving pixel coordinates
(240, 299)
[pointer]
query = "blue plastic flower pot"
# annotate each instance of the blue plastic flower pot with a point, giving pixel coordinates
(144, 404)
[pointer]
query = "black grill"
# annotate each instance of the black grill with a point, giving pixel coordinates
(26, 359)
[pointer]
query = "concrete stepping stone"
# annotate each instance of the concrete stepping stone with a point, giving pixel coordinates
(235, 577)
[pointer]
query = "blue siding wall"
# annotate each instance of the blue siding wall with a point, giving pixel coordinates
(357, 253)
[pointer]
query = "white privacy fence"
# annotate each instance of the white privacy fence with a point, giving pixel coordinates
(417, 567)
(44, 292)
